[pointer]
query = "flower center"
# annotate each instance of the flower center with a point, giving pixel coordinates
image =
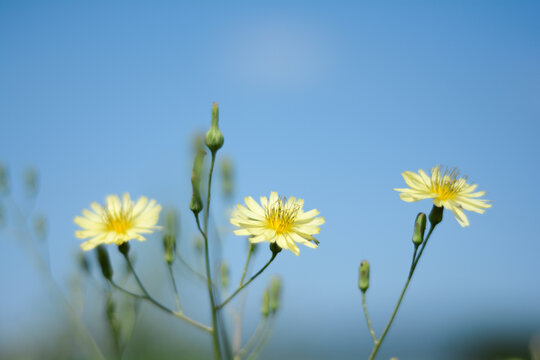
(280, 219)
(118, 223)
(447, 185)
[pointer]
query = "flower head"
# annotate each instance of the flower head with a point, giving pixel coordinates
(278, 220)
(447, 189)
(117, 222)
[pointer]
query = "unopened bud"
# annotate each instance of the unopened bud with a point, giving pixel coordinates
(419, 228)
(171, 222)
(110, 309)
(4, 182)
(214, 137)
(265, 308)
(363, 276)
(195, 204)
(40, 227)
(124, 248)
(275, 293)
(436, 215)
(224, 275)
(169, 247)
(275, 248)
(31, 181)
(104, 262)
(84, 263)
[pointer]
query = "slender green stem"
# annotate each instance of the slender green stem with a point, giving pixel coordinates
(368, 319)
(175, 288)
(411, 272)
(125, 291)
(250, 251)
(149, 298)
(413, 260)
(215, 335)
(423, 246)
(247, 283)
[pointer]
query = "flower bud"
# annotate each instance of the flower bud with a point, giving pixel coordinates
(31, 181)
(110, 313)
(124, 248)
(171, 222)
(110, 308)
(419, 228)
(104, 262)
(363, 276)
(214, 136)
(275, 294)
(40, 227)
(224, 275)
(4, 182)
(265, 308)
(275, 248)
(195, 204)
(436, 215)
(169, 247)
(84, 264)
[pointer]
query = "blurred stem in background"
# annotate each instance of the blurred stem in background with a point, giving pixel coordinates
(23, 232)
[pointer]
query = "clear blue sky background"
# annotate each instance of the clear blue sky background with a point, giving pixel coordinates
(328, 101)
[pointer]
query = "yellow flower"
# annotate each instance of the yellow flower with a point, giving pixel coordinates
(117, 222)
(278, 220)
(447, 190)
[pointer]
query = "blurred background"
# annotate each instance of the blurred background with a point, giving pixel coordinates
(327, 101)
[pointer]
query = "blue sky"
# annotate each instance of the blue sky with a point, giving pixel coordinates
(325, 101)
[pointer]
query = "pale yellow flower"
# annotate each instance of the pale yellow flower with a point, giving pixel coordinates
(117, 222)
(447, 190)
(278, 220)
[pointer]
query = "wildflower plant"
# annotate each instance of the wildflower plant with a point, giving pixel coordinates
(279, 221)
(448, 191)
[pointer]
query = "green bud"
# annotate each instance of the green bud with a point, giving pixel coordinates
(31, 181)
(4, 182)
(40, 227)
(196, 202)
(124, 248)
(110, 309)
(274, 247)
(265, 308)
(84, 263)
(436, 215)
(171, 222)
(224, 275)
(227, 180)
(363, 276)
(104, 262)
(275, 293)
(169, 246)
(419, 228)
(214, 137)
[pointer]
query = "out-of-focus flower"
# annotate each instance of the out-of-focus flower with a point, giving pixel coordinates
(117, 222)
(278, 220)
(447, 190)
